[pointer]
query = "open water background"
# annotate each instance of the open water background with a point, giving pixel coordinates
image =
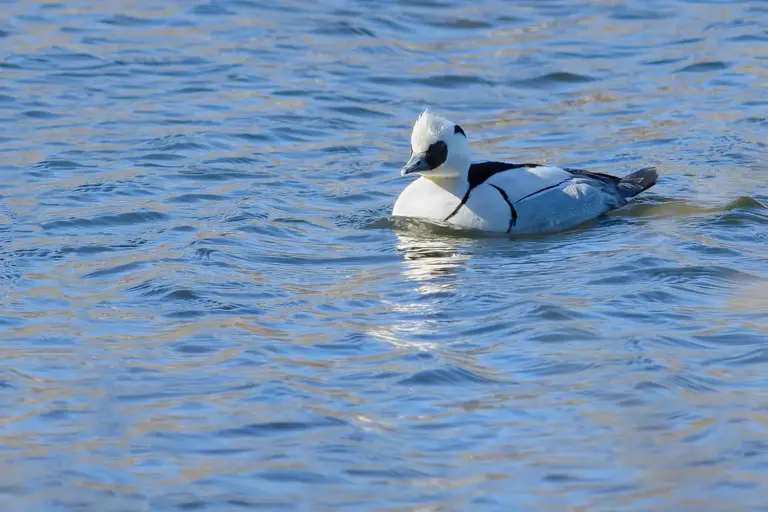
(205, 305)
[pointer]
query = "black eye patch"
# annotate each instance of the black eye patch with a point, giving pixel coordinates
(458, 129)
(436, 154)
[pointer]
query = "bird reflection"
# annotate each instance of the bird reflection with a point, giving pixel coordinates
(427, 259)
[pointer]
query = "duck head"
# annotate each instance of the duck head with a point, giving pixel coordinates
(439, 148)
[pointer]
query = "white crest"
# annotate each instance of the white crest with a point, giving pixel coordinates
(451, 159)
(428, 129)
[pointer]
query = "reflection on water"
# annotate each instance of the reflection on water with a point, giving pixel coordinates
(434, 264)
(427, 258)
(205, 303)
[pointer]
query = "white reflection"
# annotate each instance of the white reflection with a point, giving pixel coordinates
(429, 260)
(432, 262)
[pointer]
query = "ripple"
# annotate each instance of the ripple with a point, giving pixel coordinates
(174, 143)
(706, 276)
(460, 23)
(160, 157)
(752, 357)
(735, 337)
(641, 14)
(276, 428)
(359, 112)
(344, 29)
(740, 215)
(233, 160)
(452, 81)
(662, 62)
(117, 270)
(553, 80)
(121, 20)
(396, 474)
(98, 190)
(122, 219)
(151, 289)
(213, 174)
(554, 368)
(196, 198)
(211, 9)
(756, 120)
(9, 271)
(677, 208)
(446, 376)
(552, 313)
(305, 477)
(58, 164)
(704, 67)
(41, 114)
(87, 249)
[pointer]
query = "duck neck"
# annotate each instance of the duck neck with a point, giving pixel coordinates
(456, 184)
(448, 183)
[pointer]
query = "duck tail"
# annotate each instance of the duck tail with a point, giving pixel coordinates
(638, 181)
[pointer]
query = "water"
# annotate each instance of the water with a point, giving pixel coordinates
(206, 305)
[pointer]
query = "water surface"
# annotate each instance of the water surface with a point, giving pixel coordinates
(207, 307)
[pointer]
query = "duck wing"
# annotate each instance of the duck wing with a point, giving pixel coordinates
(629, 186)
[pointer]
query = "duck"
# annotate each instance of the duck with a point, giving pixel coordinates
(494, 196)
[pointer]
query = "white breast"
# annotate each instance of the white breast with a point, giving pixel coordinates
(425, 199)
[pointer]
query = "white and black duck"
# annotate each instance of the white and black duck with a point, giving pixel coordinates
(498, 196)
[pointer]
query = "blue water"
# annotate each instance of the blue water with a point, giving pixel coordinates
(206, 306)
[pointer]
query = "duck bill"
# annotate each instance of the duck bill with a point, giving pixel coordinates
(416, 163)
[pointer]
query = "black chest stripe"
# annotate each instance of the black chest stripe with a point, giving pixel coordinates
(462, 203)
(512, 211)
(542, 190)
